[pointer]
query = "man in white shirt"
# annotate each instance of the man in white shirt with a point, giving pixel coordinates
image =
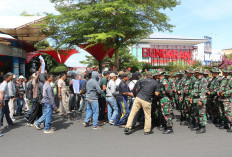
(4, 96)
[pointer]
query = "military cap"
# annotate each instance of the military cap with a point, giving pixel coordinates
(190, 70)
(166, 73)
(149, 73)
(160, 71)
(215, 70)
(155, 72)
(180, 72)
(226, 70)
(206, 72)
(199, 70)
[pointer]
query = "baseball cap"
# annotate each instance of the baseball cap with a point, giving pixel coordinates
(21, 77)
(112, 75)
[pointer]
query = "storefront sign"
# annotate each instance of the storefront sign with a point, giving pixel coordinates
(166, 53)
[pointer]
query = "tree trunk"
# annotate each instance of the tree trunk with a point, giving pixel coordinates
(100, 66)
(116, 63)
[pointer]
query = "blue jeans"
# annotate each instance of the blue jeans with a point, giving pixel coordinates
(83, 104)
(47, 117)
(112, 108)
(92, 110)
(19, 106)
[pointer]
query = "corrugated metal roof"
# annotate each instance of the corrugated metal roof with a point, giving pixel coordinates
(12, 22)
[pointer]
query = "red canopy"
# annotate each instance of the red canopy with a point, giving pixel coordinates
(98, 51)
(31, 55)
(60, 56)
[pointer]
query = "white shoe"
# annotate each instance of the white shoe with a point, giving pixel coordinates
(49, 131)
(13, 120)
(30, 125)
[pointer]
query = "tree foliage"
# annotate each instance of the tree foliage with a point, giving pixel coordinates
(115, 23)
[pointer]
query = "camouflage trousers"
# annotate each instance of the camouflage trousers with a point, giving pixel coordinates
(226, 110)
(199, 113)
(166, 109)
(212, 108)
(185, 109)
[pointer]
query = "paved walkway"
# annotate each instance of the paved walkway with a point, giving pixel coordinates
(73, 140)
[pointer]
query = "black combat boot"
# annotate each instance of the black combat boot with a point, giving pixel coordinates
(190, 125)
(229, 128)
(223, 125)
(169, 130)
(217, 123)
(161, 128)
(201, 130)
(196, 126)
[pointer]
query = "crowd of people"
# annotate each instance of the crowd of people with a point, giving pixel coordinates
(123, 99)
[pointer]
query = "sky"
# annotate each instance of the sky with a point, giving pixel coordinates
(192, 18)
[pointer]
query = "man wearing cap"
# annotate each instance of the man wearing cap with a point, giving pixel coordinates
(12, 96)
(185, 96)
(166, 108)
(102, 99)
(20, 95)
(199, 100)
(146, 89)
(178, 83)
(225, 99)
(4, 98)
(122, 100)
(212, 105)
(118, 81)
(111, 91)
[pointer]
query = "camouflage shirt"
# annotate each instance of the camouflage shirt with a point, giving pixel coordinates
(226, 88)
(199, 90)
(213, 86)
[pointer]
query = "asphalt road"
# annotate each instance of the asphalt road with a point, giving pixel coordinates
(71, 139)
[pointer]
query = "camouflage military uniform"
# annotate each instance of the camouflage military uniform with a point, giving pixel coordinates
(165, 104)
(225, 100)
(212, 104)
(199, 95)
(185, 94)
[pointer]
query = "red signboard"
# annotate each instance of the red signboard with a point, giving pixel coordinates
(166, 53)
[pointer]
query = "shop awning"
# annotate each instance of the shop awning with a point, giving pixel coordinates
(24, 28)
(98, 51)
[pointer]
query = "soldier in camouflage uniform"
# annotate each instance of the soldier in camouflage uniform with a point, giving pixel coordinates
(206, 75)
(212, 104)
(165, 104)
(185, 96)
(225, 92)
(178, 87)
(199, 101)
(172, 85)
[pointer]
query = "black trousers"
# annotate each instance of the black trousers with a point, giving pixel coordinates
(36, 111)
(6, 113)
(102, 105)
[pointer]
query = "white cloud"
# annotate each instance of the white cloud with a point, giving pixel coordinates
(15, 7)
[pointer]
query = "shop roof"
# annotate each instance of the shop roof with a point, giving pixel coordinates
(157, 38)
(24, 28)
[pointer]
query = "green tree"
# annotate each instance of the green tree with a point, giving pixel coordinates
(115, 23)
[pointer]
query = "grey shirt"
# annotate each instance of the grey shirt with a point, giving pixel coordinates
(4, 88)
(48, 95)
(111, 88)
(12, 89)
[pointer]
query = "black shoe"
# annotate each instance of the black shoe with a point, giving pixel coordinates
(184, 123)
(229, 128)
(222, 125)
(201, 130)
(168, 131)
(148, 133)
(160, 128)
(195, 128)
(127, 131)
(86, 124)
